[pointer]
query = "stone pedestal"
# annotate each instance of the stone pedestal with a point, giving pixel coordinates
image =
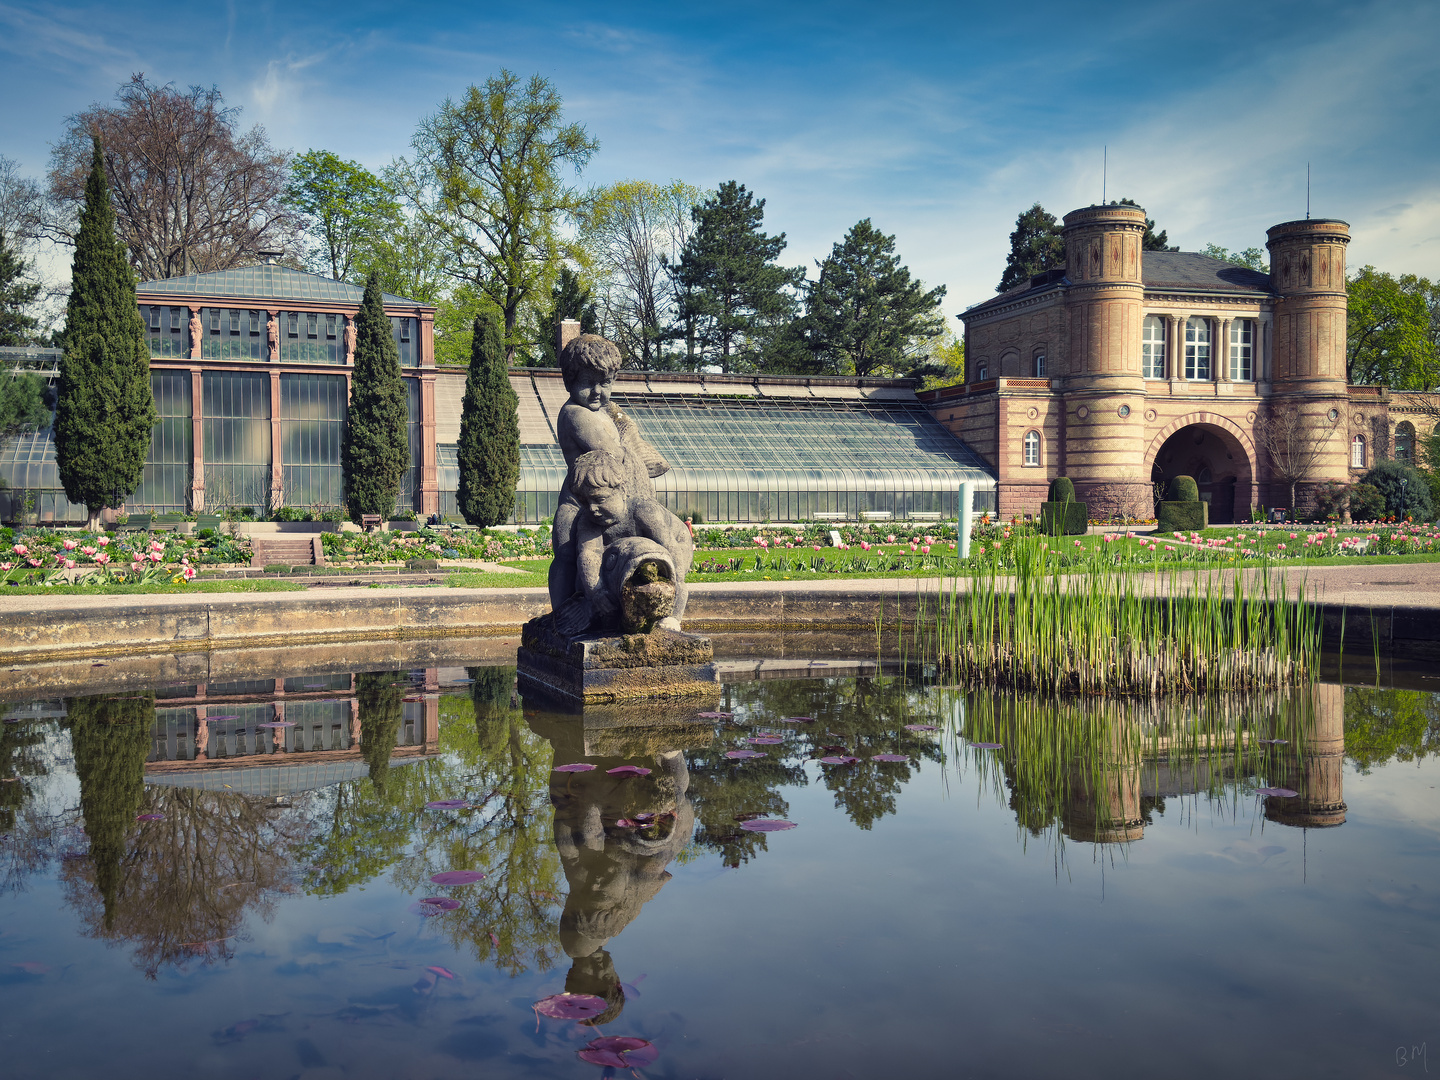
(624, 667)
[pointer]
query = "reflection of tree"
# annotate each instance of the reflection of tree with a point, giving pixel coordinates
(381, 704)
(20, 765)
(189, 880)
(1385, 724)
(110, 737)
(30, 825)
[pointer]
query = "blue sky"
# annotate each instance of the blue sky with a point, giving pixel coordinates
(940, 122)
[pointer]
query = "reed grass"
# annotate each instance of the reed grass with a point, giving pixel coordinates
(1105, 628)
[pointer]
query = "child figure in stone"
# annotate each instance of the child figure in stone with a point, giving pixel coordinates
(610, 516)
(588, 423)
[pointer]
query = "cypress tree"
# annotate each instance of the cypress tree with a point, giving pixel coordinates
(382, 710)
(489, 450)
(104, 411)
(376, 451)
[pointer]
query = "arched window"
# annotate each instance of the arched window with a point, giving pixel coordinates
(1032, 449)
(1197, 350)
(1039, 363)
(1152, 348)
(1404, 441)
(1357, 452)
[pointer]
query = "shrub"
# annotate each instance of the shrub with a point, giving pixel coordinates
(1062, 490)
(1184, 489)
(1330, 500)
(1366, 503)
(1405, 491)
(1186, 516)
(1064, 518)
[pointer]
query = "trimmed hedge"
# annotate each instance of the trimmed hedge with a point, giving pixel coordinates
(1184, 489)
(1186, 516)
(1062, 490)
(1064, 518)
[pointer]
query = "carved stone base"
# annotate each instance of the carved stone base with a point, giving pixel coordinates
(627, 667)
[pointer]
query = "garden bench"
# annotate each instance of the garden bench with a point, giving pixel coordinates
(166, 522)
(135, 523)
(370, 521)
(207, 521)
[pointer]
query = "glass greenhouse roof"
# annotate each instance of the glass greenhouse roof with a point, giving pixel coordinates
(264, 282)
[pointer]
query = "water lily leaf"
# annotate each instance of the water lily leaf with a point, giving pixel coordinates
(799, 719)
(986, 745)
(1277, 792)
(570, 1006)
(764, 740)
(921, 727)
(626, 823)
(888, 757)
(448, 804)
(629, 770)
(620, 1052)
(743, 755)
(456, 877)
(433, 905)
(643, 819)
(577, 766)
(748, 815)
(838, 759)
(767, 825)
(149, 817)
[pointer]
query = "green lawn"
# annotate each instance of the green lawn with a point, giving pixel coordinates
(241, 586)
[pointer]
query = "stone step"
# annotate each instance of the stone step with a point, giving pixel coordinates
(294, 550)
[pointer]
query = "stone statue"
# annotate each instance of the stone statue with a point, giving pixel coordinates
(349, 341)
(196, 333)
(272, 335)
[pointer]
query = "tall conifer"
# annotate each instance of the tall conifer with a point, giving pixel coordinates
(376, 451)
(1036, 245)
(489, 451)
(104, 411)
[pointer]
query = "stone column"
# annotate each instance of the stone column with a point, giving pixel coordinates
(197, 440)
(429, 458)
(1175, 345)
(277, 470)
(1222, 373)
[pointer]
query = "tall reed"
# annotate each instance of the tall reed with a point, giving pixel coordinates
(1107, 628)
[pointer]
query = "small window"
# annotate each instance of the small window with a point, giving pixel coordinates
(330, 321)
(292, 328)
(214, 320)
(1032, 449)
(982, 373)
(256, 322)
(1152, 348)
(154, 318)
(235, 321)
(1197, 350)
(312, 325)
(175, 320)
(1405, 441)
(1040, 365)
(1242, 350)
(404, 329)
(1357, 452)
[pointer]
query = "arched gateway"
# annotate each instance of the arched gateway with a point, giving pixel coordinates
(1217, 452)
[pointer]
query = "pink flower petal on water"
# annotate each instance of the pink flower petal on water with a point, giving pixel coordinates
(494, 940)
(767, 825)
(765, 740)
(620, 1051)
(643, 819)
(570, 1006)
(456, 877)
(921, 727)
(149, 817)
(838, 759)
(986, 745)
(888, 757)
(444, 973)
(1277, 792)
(447, 804)
(628, 770)
(626, 823)
(577, 766)
(743, 755)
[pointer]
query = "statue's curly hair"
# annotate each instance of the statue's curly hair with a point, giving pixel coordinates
(588, 352)
(596, 472)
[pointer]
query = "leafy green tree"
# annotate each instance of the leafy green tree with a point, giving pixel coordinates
(1151, 241)
(1381, 725)
(23, 403)
(110, 739)
(729, 283)
(344, 204)
(486, 184)
(1406, 492)
(103, 410)
(375, 451)
(17, 294)
(1390, 331)
(1251, 258)
(569, 299)
(489, 449)
(866, 311)
(947, 362)
(1036, 246)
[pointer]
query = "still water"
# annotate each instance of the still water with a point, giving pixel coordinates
(1091, 891)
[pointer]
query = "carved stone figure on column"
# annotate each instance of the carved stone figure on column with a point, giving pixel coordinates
(349, 340)
(196, 333)
(272, 334)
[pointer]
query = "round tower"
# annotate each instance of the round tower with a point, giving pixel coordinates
(1104, 390)
(1307, 270)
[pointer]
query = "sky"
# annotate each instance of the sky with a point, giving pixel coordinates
(939, 122)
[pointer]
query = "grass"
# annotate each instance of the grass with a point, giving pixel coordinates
(242, 586)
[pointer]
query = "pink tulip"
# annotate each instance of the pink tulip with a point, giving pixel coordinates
(1078, 544)
(70, 545)
(1280, 547)
(155, 556)
(817, 547)
(890, 539)
(925, 549)
(87, 550)
(189, 572)
(20, 549)
(102, 558)
(102, 540)
(33, 562)
(69, 564)
(6, 566)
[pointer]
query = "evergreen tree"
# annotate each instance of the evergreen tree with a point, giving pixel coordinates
(866, 311)
(1035, 246)
(103, 409)
(1151, 241)
(489, 450)
(376, 450)
(728, 283)
(17, 326)
(569, 299)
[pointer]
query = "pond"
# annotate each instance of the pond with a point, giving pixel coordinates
(240, 880)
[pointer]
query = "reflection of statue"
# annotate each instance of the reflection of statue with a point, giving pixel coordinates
(349, 341)
(272, 335)
(196, 333)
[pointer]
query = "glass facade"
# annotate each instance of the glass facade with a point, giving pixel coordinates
(312, 424)
(312, 337)
(447, 475)
(168, 330)
(758, 459)
(233, 334)
(236, 409)
(409, 497)
(407, 339)
(165, 488)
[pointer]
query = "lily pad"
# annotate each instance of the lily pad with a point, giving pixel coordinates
(888, 757)
(743, 755)
(434, 905)
(456, 877)
(986, 745)
(620, 1052)
(575, 766)
(570, 1006)
(799, 719)
(921, 727)
(1277, 792)
(765, 740)
(629, 770)
(149, 817)
(448, 804)
(767, 825)
(838, 759)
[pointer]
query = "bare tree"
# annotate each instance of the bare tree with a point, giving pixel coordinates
(21, 206)
(192, 194)
(1293, 441)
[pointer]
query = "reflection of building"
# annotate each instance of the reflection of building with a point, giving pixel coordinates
(1128, 367)
(211, 736)
(1317, 775)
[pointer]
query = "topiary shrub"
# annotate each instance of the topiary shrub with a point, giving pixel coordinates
(1366, 503)
(1184, 489)
(1183, 511)
(1062, 490)
(1405, 491)
(1062, 515)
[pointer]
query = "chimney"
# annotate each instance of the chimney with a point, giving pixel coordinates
(566, 332)
(271, 256)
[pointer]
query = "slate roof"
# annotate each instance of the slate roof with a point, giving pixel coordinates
(1161, 271)
(265, 282)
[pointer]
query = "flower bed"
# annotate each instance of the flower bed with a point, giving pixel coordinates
(65, 557)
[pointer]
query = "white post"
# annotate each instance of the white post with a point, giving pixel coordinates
(967, 516)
